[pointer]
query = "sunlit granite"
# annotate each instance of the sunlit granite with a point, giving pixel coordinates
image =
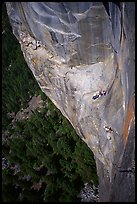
(82, 56)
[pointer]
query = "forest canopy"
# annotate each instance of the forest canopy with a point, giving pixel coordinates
(43, 159)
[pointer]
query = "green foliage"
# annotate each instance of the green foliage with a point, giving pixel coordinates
(18, 82)
(46, 147)
(37, 142)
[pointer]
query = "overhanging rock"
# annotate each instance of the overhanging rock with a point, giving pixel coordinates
(82, 56)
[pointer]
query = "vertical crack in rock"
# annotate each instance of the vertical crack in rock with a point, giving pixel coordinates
(80, 54)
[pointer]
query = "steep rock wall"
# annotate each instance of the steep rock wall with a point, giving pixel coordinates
(82, 56)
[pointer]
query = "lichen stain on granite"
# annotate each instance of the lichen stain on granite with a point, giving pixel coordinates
(79, 56)
(128, 120)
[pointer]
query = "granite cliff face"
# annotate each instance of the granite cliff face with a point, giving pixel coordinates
(82, 56)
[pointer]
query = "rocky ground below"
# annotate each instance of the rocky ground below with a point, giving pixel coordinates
(89, 193)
